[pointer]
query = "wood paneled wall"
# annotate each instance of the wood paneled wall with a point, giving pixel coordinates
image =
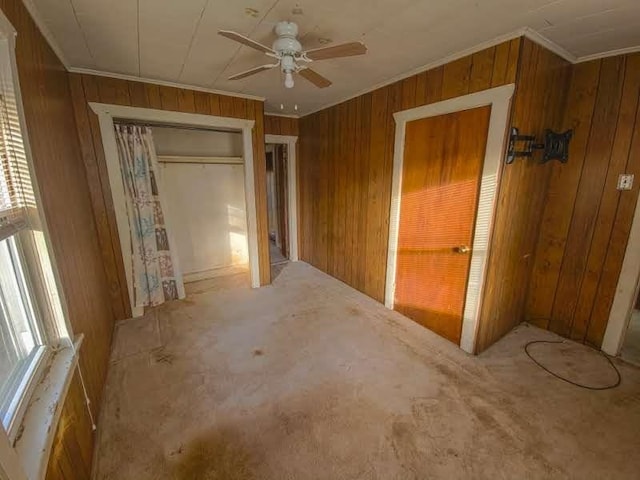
(539, 101)
(346, 156)
(66, 204)
(586, 220)
(276, 125)
(89, 88)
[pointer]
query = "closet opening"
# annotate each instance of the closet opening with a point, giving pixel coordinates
(182, 184)
(202, 177)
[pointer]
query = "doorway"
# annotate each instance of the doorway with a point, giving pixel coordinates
(282, 204)
(107, 113)
(277, 205)
(622, 335)
(442, 209)
(631, 347)
(443, 159)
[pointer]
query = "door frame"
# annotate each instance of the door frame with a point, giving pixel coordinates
(626, 291)
(292, 188)
(106, 114)
(499, 98)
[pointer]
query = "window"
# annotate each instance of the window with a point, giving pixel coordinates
(31, 325)
(22, 344)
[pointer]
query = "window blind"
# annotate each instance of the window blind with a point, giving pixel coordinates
(16, 191)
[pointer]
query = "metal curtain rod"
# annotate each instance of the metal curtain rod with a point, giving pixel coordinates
(179, 126)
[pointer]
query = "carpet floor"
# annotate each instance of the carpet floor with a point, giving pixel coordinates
(310, 379)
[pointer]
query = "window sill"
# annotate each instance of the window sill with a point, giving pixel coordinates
(38, 429)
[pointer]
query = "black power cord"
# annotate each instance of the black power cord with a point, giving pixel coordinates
(588, 387)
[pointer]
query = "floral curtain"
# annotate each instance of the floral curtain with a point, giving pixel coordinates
(155, 276)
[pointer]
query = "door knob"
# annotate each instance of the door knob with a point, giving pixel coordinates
(462, 249)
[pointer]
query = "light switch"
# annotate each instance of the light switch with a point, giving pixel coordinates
(625, 181)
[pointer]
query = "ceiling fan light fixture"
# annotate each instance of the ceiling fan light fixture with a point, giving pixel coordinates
(288, 80)
(288, 54)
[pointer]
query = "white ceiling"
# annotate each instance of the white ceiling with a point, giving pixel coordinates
(176, 40)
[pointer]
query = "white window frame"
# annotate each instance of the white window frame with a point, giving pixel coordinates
(26, 445)
(41, 354)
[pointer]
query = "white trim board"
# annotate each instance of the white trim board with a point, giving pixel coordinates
(133, 78)
(292, 184)
(500, 100)
(626, 290)
(283, 115)
(610, 53)
(106, 114)
(200, 160)
(36, 441)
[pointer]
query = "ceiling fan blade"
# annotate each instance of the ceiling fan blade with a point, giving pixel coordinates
(245, 41)
(314, 77)
(343, 50)
(252, 71)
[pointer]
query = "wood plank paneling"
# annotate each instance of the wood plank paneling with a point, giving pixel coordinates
(255, 111)
(187, 103)
(90, 88)
(500, 63)
(328, 176)
(138, 95)
(168, 96)
(482, 64)
(66, 203)
(541, 87)
(72, 452)
(202, 103)
(153, 95)
(561, 197)
(590, 189)
(96, 178)
(276, 125)
(434, 85)
(456, 77)
(346, 158)
(587, 221)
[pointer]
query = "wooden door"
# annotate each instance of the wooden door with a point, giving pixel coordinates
(441, 175)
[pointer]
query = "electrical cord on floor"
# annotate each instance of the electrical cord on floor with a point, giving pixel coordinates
(588, 387)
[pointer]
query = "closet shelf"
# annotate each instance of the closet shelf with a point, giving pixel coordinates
(200, 160)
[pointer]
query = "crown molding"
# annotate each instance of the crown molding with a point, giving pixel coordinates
(429, 66)
(521, 32)
(548, 44)
(283, 115)
(611, 53)
(122, 76)
(44, 30)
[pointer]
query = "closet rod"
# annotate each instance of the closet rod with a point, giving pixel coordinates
(179, 126)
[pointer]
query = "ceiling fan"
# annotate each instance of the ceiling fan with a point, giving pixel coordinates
(289, 56)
